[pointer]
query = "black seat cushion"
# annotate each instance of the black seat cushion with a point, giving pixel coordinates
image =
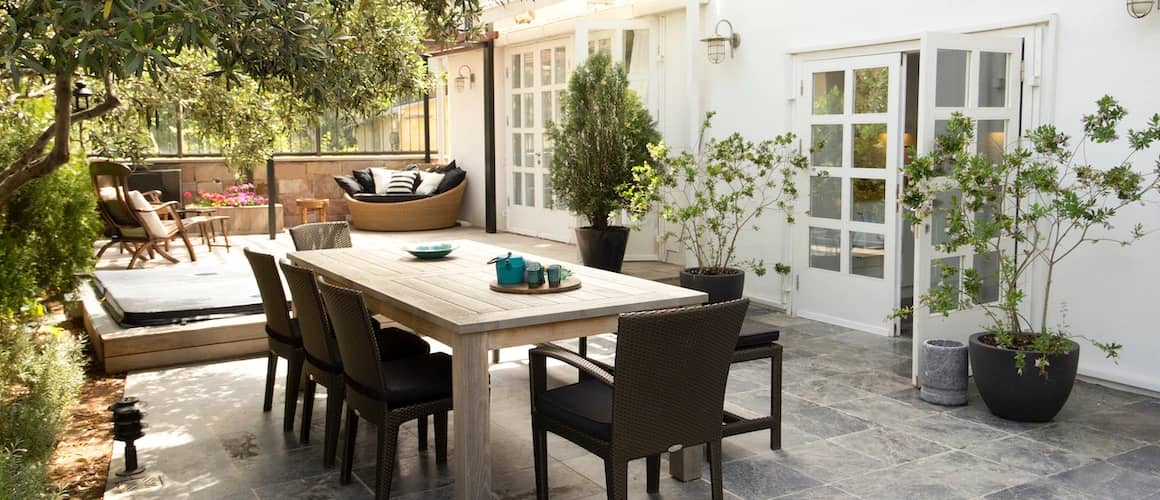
(395, 343)
(418, 379)
(754, 334)
(365, 180)
(585, 406)
(348, 184)
(389, 198)
(451, 178)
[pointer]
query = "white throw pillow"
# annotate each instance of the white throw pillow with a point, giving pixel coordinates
(382, 178)
(402, 183)
(428, 182)
(151, 220)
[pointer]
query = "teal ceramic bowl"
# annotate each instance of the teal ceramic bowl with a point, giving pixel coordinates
(430, 250)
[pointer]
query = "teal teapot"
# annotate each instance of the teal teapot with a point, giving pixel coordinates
(509, 269)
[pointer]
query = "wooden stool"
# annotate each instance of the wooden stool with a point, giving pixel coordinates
(307, 205)
(208, 227)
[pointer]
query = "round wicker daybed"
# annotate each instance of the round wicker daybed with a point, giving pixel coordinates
(434, 212)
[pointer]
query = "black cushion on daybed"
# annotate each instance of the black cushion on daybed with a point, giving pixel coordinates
(451, 178)
(365, 180)
(348, 184)
(389, 198)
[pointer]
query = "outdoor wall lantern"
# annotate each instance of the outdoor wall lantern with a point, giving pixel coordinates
(82, 96)
(464, 79)
(1139, 8)
(718, 41)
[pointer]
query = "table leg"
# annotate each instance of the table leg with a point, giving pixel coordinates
(472, 417)
(685, 464)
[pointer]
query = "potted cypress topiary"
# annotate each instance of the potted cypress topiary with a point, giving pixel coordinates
(604, 130)
(715, 194)
(1031, 209)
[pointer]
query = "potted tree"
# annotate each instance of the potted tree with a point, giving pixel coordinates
(1030, 209)
(712, 196)
(604, 130)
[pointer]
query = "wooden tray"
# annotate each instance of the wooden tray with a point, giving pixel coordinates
(567, 285)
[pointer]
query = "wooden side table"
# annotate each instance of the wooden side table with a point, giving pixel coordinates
(307, 205)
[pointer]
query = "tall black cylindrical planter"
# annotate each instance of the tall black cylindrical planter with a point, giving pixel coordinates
(1027, 396)
(602, 248)
(944, 372)
(720, 287)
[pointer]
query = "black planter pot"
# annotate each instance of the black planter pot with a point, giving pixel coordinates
(1026, 397)
(720, 287)
(602, 248)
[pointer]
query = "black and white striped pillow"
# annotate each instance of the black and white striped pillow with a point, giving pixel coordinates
(402, 183)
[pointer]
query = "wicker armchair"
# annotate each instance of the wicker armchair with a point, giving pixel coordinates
(281, 333)
(320, 235)
(387, 393)
(668, 393)
(323, 365)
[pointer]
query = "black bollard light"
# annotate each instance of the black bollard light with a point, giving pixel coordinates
(127, 427)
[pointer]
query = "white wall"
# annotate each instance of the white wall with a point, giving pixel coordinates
(465, 137)
(1110, 291)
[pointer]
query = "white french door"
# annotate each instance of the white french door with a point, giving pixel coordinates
(537, 76)
(845, 239)
(979, 77)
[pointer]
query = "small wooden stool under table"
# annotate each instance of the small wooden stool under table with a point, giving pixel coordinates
(307, 205)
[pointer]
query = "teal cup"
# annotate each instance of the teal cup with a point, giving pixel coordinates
(556, 274)
(534, 274)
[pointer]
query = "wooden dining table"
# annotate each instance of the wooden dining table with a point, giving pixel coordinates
(449, 300)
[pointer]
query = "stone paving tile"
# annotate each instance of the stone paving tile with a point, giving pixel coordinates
(819, 493)
(1145, 460)
(824, 422)
(979, 413)
(318, 487)
(1105, 480)
(763, 477)
(1028, 455)
(825, 392)
(1042, 489)
(889, 446)
(1087, 399)
(949, 431)
(1137, 421)
(950, 475)
(875, 381)
(1084, 440)
(880, 410)
(563, 484)
(825, 461)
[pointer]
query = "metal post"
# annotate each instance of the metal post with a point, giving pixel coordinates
(426, 122)
(272, 188)
(489, 136)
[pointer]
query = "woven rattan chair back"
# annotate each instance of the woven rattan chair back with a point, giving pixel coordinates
(273, 295)
(356, 340)
(317, 337)
(320, 236)
(671, 369)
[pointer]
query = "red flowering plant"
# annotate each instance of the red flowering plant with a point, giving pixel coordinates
(240, 195)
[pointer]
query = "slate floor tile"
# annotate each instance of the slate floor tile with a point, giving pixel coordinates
(824, 422)
(825, 391)
(875, 381)
(763, 477)
(949, 431)
(563, 484)
(320, 487)
(1139, 421)
(888, 446)
(1042, 489)
(880, 410)
(1145, 460)
(1083, 440)
(1105, 480)
(826, 461)
(819, 493)
(979, 413)
(949, 475)
(1028, 455)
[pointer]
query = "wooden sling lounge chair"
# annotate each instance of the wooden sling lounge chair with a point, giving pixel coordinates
(131, 220)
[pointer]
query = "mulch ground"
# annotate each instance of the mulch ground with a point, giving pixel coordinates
(81, 462)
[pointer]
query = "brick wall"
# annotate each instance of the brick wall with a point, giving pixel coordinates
(297, 178)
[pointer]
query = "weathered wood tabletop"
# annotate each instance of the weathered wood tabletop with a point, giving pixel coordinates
(449, 299)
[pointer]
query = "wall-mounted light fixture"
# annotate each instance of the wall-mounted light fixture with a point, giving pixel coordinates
(718, 42)
(1140, 8)
(464, 79)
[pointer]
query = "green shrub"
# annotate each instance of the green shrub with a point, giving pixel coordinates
(40, 376)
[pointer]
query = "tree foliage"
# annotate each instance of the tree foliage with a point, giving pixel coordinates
(604, 131)
(349, 56)
(1035, 206)
(716, 193)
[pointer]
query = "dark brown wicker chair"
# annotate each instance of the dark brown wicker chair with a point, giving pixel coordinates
(387, 393)
(320, 235)
(323, 364)
(669, 391)
(281, 333)
(759, 341)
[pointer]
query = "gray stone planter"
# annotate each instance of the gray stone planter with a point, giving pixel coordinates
(944, 376)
